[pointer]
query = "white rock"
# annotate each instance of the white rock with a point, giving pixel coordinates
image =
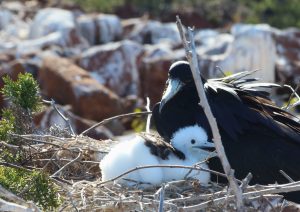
(5, 18)
(253, 49)
(109, 27)
(88, 28)
(100, 29)
(249, 48)
(51, 20)
(114, 65)
(154, 32)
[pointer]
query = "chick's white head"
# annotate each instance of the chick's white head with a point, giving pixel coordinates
(192, 141)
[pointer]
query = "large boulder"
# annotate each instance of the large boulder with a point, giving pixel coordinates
(99, 29)
(154, 70)
(288, 51)
(154, 32)
(248, 48)
(50, 20)
(115, 65)
(5, 18)
(69, 84)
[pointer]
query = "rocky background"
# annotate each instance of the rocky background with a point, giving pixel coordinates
(100, 65)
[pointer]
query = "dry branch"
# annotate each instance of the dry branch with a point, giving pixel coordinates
(192, 58)
(162, 166)
(113, 118)
(67, 120)
(16, 203)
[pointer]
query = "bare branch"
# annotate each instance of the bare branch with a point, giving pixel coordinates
(20, 205)
(275, 190)
(161, 199)
(149, 116)
(67, 120)
(71, 162)
(192, 58)
(113, 118)
(162, 166)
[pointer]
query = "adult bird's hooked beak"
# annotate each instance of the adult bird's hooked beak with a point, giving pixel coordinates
(173, 86)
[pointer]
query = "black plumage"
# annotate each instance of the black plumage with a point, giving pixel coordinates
(258, 136)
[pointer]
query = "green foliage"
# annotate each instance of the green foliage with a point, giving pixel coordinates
(277, 13)
(34, 186)
(138, 124)
(99, 5)
(7, 124)
(24, 99)
(23, 92)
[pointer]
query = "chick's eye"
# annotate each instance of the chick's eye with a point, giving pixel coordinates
(193, 141)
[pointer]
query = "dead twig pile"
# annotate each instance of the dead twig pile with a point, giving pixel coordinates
(73, 165)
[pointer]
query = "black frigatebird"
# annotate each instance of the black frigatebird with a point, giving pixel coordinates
(258, 136)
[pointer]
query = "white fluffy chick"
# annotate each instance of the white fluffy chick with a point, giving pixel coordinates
(191, 141)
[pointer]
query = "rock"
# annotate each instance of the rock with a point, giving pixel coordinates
(249, 48)
(69, 84)
(154, 32)
(128, 25)
(12, 29)
(100, 29)
(50, 20)
(34, 45)
(288, 51)
(154, 70)
(5, 18)
(115, 66)
(109, 27)
(88, 29)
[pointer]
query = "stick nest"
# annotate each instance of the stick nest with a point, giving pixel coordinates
(73, 164)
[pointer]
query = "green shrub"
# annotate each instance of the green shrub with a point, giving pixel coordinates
(34, 186)
(24, 92)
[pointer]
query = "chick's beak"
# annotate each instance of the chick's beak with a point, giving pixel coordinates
(173, 87)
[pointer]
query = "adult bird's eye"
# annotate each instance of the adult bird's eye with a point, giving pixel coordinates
(193, 141)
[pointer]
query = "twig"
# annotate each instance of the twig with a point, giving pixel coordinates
(149, 116)
(161, 198)
(274, 190)
(287, 176)
(10, 146)
(71, 162)
(14, 166)
(113, 118)
(161, 166)
(67, 120)
(12, 197)
(246, 181)
(221, 71)
(288, 106)
(192, 58)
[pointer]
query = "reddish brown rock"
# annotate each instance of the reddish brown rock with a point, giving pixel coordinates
(115, 66)
(69, 84)
(288, 51)
(154, 71)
